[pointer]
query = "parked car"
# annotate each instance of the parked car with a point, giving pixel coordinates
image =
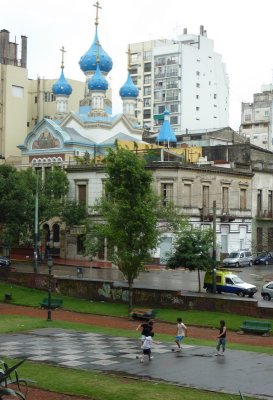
(238, 258)
(264, 258)
(4, 261)
(267, 291)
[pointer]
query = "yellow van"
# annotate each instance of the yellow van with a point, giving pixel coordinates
(227, 282)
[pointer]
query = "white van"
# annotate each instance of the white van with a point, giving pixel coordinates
(238, 258)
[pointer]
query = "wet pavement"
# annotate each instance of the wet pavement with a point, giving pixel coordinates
(197, 367)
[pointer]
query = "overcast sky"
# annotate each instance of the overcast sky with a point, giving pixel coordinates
(241, 30)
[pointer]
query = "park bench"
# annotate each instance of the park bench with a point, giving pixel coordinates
(142, 313)
(55, 303)
(256, 326)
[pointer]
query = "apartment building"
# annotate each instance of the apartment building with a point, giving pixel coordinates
(13, 95)
(256, 118)
(186, 77)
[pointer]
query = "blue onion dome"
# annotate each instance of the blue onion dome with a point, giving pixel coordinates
(62, 87)
(129, 89)
(88, 61)
(98, 81)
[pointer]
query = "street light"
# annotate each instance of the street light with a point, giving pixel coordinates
(50, 265)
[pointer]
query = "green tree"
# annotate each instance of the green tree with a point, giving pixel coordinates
(17, 202)
(128, 213)
(192, 249)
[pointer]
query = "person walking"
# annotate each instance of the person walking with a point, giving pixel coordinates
(222, 338)
(180, 333)
(147, 328)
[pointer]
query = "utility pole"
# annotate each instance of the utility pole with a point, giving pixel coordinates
(36, 234)
(214, 248)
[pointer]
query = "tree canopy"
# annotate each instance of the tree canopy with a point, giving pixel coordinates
(192, 249)
(129, 214)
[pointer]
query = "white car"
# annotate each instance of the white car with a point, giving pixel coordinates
(267, 291)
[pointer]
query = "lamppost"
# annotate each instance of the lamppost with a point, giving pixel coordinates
(50, 265)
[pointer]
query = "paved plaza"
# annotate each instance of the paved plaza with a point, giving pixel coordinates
(198, 367)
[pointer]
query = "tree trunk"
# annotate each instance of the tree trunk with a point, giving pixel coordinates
(199, 281)
(130, 300)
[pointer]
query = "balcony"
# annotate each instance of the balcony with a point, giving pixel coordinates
(264, 214)
(225, 216)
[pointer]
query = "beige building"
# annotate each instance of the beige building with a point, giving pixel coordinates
(13, 95)
(42, 102)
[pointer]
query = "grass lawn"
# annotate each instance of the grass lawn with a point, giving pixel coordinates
(32, 297)
(99, 385)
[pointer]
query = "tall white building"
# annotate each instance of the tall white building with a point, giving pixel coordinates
(185, 76)
(256, 118)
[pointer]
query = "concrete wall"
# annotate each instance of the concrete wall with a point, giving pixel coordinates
(107, 291)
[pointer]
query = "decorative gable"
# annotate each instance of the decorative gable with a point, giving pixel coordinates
(46, 141)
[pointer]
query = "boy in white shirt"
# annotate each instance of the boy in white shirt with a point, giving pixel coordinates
(180, 334)
(147, 347)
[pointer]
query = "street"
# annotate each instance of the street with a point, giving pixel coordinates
(158, 279)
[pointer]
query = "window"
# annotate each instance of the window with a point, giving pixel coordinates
(259, 202)
(174, 108)
(147, 55)
(166, 193)
(242, 199)
(133, 58)
(174, 120)
(49, 97)
(187, 195)
(198, 85)
(225, 200)
(146, 114)
(197, 96)
(197, 108)
(133, 70)
(247, 117)
(197, 73)
(17, 91)
(161, 109)
(205, 200)
(147, 79)
(270, 203)
(56, 233)
(215, 96)
(80, 244)
(147, 91)
(147, 67)
(147, 102)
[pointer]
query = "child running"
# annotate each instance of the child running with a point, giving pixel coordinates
(147, 328)
(221, 338)
(180, 333)
(147, 347)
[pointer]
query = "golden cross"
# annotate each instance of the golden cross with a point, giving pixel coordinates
(97, 5)
(63, 51)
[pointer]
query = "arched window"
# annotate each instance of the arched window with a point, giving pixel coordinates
(56, 233)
